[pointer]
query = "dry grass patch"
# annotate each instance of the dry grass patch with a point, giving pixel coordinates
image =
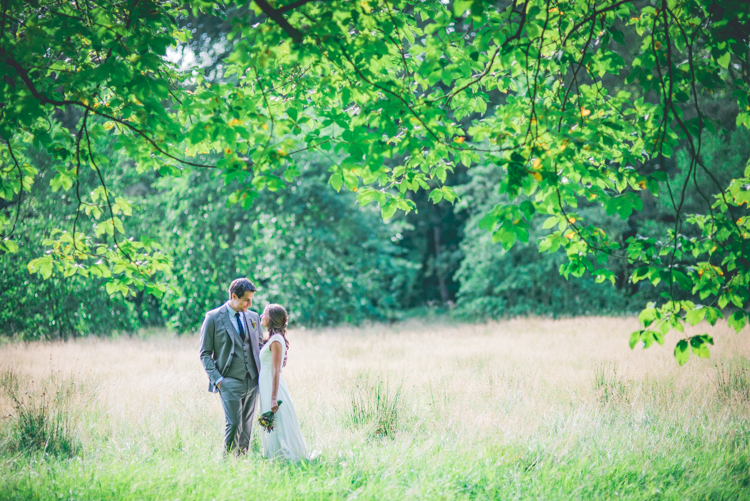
(520, 395)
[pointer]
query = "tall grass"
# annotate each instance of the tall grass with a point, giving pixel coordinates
(376, 406)
(41, 419)
(524, 409)
(606, 383)
(733, 381)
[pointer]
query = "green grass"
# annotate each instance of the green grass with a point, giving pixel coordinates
(374, 406)
(733, 380)
(41, 421)
(427, 418)
(688, 466)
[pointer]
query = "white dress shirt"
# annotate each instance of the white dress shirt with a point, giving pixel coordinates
(233, 318)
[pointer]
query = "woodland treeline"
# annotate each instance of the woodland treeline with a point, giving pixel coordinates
(367, 161)
(316, 251)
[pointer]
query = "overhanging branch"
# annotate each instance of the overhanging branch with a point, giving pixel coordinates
(277, 16)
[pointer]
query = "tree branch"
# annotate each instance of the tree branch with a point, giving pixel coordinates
(476, 79)
(20, 189)
(591, 17)
(578, 232)
(78, 180)
(279, 19)
(575, 75)
(106, 194)
(268, 107)
(5, 9)
(56, 102)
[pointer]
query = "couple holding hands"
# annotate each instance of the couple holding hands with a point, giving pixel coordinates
(244, 366)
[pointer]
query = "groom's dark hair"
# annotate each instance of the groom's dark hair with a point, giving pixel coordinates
(240, 286)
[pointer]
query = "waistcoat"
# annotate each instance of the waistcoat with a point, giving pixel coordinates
(243, 361)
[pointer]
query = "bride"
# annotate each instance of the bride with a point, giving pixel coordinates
(285, 440)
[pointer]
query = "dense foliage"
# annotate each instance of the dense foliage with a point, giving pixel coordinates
(496, 282)
(305, 247)
(583, 113)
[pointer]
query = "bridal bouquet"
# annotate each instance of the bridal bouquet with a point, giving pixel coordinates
(267, 418)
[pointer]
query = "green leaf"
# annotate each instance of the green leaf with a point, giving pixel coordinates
(521, 233)
(682, 352)
(10, 246)
(46, 269)
(635, 337)
(350, 180)
(505, 236)
(639, 274)
(449, 194)
(659, 337)
(724, 60)
(649, 337)
(368, 196)
(699, 345)
(682, 280)
(550, 222)
(70, 271)
(389, 209)
(156, 290)
(647, 316)
(737, 320)
(62, 180)
(442, 173)
(337, 181)
(527, 208)
(694, 317)
(461, 6)
(713, 315)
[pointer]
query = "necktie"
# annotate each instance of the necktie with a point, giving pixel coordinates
(239, 325)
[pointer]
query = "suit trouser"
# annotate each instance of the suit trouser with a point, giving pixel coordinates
(238, 400)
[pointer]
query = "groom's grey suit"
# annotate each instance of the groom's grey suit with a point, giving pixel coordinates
(235, 364)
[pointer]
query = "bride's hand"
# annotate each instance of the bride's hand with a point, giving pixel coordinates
(275, 407)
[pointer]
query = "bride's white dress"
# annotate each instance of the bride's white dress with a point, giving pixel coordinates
(285, 441)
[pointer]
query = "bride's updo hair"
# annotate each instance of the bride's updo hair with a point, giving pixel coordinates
(278, 319)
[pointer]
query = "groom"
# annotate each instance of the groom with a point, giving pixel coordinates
(229, 352)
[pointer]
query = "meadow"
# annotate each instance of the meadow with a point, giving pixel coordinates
(520, 409)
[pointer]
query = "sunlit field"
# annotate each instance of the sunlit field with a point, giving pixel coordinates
(524, 409)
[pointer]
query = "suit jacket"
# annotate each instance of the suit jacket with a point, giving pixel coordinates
(220, 341)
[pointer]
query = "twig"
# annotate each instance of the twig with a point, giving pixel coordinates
(268, 107)
(575, 75)
(388, 91)
(591, 17)
(400, 45)
(106, 194)
(78, 180)
(575, 228)
(533, 118)
(20, 189)
(476, 79)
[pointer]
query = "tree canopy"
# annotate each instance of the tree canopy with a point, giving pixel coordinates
(577, 104)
